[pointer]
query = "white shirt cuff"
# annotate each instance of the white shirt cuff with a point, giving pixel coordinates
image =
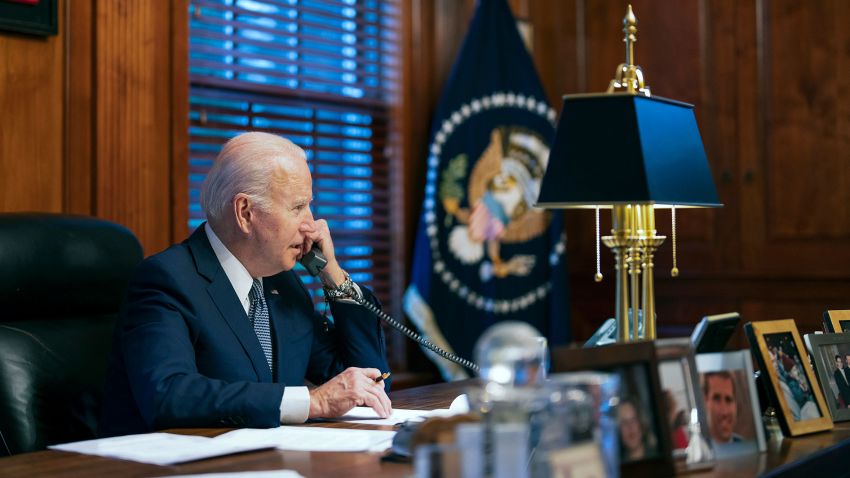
(295, 405)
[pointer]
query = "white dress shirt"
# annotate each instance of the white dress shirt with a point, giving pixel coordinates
(295, 404)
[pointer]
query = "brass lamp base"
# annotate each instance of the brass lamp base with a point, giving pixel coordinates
(633, 241)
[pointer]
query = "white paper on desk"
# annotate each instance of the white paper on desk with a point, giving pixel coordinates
(367, 416)
(312, 438)
(158, 448)
(246, 474)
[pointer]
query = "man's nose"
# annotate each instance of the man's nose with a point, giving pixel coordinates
(307, 221)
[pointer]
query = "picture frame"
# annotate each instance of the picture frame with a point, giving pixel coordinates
(683, 399)
(836, 321)
(745, 434)
(791, 384)
(827, 350)
(640, 409)
(34, 17)
(713, 332)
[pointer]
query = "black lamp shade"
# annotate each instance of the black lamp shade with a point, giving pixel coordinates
(627, 149)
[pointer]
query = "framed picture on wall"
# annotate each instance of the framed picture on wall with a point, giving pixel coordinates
(729, 391)
(35, 17)
(831, 356)
(836, 321)
(645, 448)
(686, 416)
(791, 383)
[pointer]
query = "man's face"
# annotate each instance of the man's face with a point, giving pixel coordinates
(839, 364)
(722, 409)
(847, 360)
(277, 238)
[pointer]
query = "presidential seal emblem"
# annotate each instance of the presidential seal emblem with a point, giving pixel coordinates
(485, 233)
(503, 186)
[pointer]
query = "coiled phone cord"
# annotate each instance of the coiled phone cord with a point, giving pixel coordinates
(413, 335)
(314, 261)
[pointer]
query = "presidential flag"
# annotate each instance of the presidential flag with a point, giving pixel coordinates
(484, 254)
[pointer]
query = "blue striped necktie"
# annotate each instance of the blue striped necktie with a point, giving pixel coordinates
(258, 314)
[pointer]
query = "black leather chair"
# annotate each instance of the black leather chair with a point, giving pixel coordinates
(62, 279)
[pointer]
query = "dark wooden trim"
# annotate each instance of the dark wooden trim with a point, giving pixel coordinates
(179, 120)
(79, 130)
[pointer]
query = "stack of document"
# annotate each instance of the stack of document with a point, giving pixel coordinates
(170, 449)
(312, 438)
(367, 416)
(159, 448)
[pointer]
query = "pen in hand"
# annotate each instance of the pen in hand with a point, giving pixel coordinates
(382, 377)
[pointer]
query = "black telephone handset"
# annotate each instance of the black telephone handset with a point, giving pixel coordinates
(314, 261)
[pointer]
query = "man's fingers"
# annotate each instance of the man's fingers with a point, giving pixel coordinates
(371, 373)
(381, 398)
(377, 388)
(375, 403)
(367, 399)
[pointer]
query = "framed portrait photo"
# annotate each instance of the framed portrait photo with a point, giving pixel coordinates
(831, 356)
(836, 321)
(644, 438)
(729, 391)
(685, 410)
(791, 383)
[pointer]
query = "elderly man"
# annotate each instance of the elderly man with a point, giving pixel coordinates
(220, 331)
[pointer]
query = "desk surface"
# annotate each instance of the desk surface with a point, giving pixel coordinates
(353, 465)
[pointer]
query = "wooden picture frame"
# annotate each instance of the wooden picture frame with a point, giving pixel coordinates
(791, 384)
(637, 365)
(747, 431)
(683, 399)
(836, 321)
(35, 17)
(823, 348)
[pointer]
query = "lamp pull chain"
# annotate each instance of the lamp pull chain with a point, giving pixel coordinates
(674, 272)
(598, 276)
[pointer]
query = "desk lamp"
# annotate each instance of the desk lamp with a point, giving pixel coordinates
(630, 152)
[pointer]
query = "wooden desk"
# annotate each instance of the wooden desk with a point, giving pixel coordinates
(353, 465)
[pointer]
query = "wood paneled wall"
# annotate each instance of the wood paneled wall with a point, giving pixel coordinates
(31, 144)
(765, 77)
(96, 117)
(95, 123)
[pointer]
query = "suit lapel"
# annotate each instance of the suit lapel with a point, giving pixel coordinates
(222, 294)
(286, 317)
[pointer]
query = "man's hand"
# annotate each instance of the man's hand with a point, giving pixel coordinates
(318, 233)
(352, 388)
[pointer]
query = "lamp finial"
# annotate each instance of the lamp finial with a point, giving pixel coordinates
(630, 29)
(629, 77)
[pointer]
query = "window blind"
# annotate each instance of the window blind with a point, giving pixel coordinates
(321, 73)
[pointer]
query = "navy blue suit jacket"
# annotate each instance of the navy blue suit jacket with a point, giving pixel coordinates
(185, 353)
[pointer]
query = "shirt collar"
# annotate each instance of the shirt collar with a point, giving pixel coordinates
(238, 275)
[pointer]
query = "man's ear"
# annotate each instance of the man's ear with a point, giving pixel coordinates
(243, 211)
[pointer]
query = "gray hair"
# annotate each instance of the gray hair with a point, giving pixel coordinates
(246, 164)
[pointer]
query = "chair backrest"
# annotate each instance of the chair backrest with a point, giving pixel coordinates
(62, 279)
